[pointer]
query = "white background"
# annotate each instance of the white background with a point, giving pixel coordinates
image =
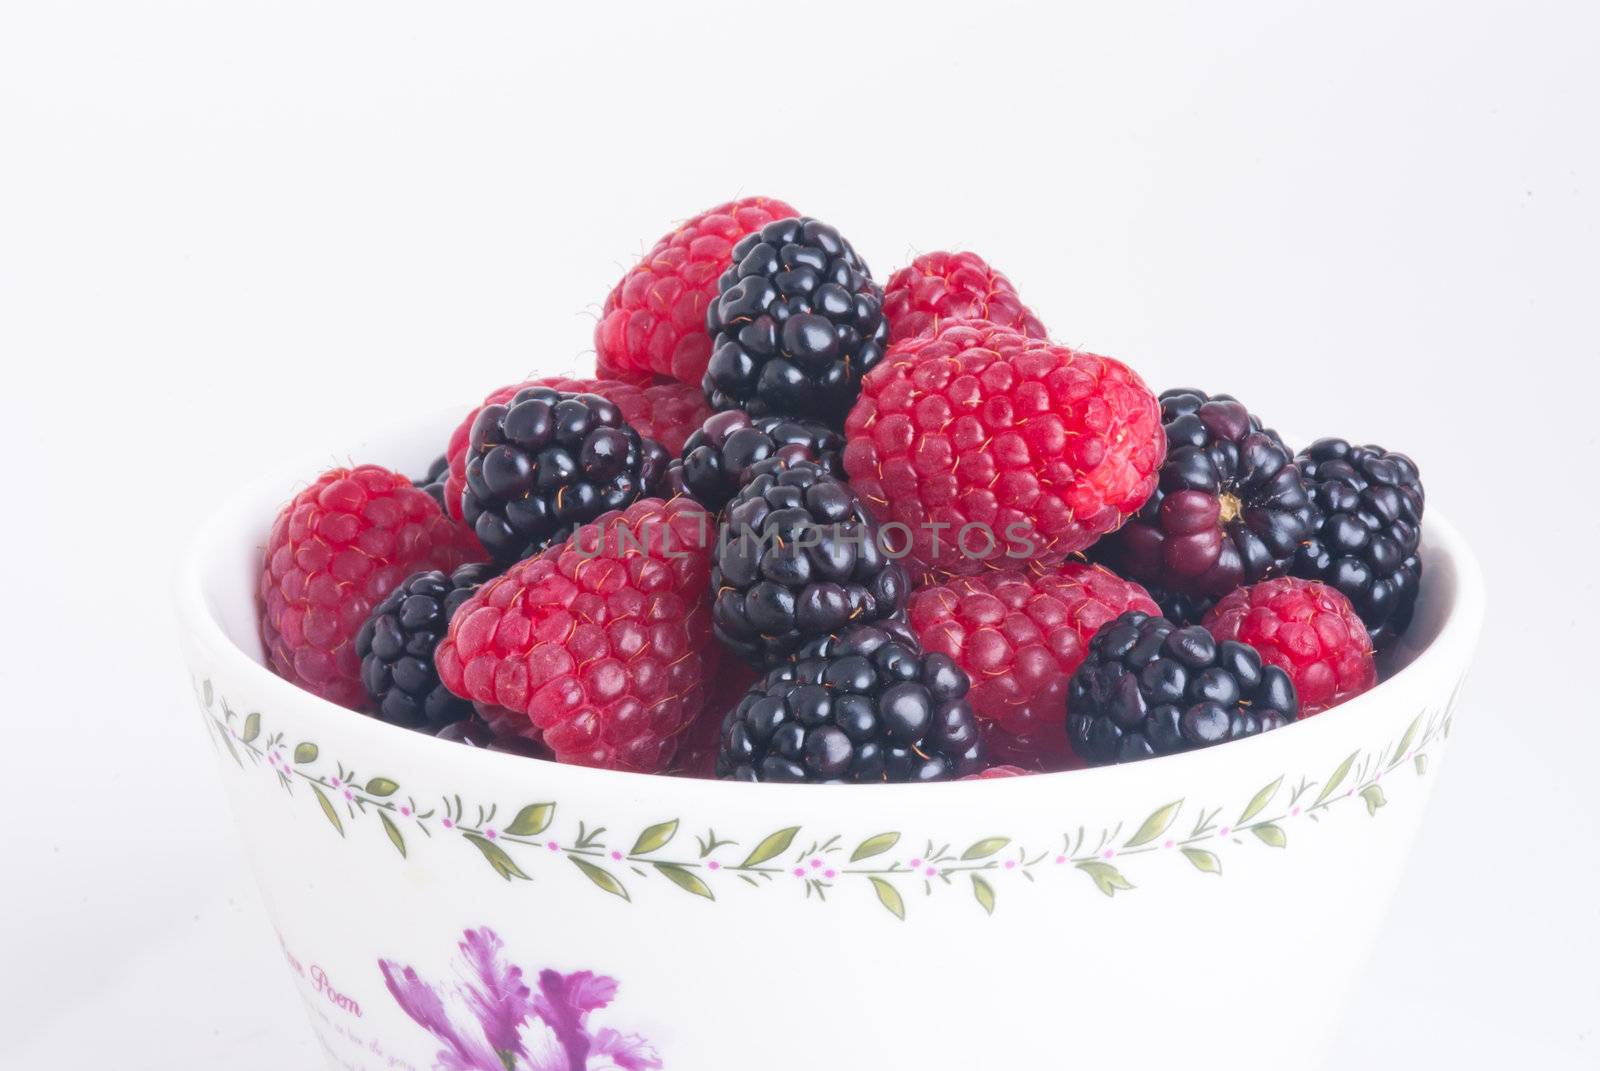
(234, 231)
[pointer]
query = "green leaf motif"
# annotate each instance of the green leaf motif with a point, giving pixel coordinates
(600, 877)
(328, 809)
(1155, 825)
(304, 753)
(1270, 834)
(1338, 776)
(227, 738)
(654, 837)
(889, 897)
(1204, 861)
(503, 864)
(252, 727)
(985, 848)
(984, 892)
(532, 820)
(393, 831)
(1259, 801)
(775, 845)
(207, 691)
(685, 879)
(1405, 741)
(1373, 794)
(874, 846)
(1422, 764)
(1107, 878)
(381, 786)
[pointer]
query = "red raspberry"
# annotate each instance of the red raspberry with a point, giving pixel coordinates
(654, 320)
(334, 552)
(953, 286)
(666, 412)
(603, 643)
(1306, 628)
(1019, 636)
(997, 771)
(732, 677)
(990, 447)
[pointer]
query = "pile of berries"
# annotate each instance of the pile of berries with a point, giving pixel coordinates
(803, 527)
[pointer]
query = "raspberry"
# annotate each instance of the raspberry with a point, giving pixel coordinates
(953, 286)
(866, 705)
(798, 558)
(995, 772)
(397, 642)
(334, 552)
(1019, 636)
(991, 447)
(1369, 503)
(602, 644)
(1307, 629)
(1230, 510)
(665, 412)
(720, 458)
(697, 753)
(654, 320)
(545, 462)
(797, 322)
(1148, 687)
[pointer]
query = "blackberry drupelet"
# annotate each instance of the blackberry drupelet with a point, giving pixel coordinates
(1229, 510)
(866, 705)
(1365, 543)
(1150, 688)
(798, 557)
(796, 323)
(719, 459)
(397, 642)
(1181, 608)
(473, 731)
(433, 482)
(546, 462)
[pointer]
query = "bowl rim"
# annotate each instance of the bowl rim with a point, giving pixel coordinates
(1445, 656)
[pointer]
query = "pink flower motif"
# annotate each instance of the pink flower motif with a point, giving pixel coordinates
(713, 865)
(337, 783)
(553, 846)
(448, 824)
(491, 834)
(830, 873)
(616, 855)
(1060, 859)
(1170, 842)
(347, 795)
(1109, 853)
(914, 864)
(930, 872)
(816, 864)
(405, 812)
(799, 871)
(1294, 812)
(1224, 831)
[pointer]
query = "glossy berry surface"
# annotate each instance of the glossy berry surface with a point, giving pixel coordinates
(1151, 688)
(943, 286)
(721, 457)
(1230, 508)
(796, 323)
(1019, 636)
(995, 773)
(433, 481)
(397, 642)
(654, 319)
(993, 449)
(866, 705)
(1369, 531)
(545, 462)
(798, 557)
(334, 552)
(665, 412)
(1307, 629)
(602, 643)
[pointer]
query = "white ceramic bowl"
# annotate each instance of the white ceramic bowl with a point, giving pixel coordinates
(1204, 910)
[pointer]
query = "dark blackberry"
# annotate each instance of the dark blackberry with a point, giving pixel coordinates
(1229, 509)
(797, 557)
(720, 457)
(396, 646)
(1366, 540)
(1148, 687)
(474, 732)
(1181, 608)
(797, 322)
(866, 705)
(546, 462)
(433, 482)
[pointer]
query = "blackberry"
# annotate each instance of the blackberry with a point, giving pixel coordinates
(1149, 687)
(546, 462)
(1366, 540)
(473, 731)
(1181, 608)
(396, 647)
(866, 705)
(719, 458)
(798, 557)
(433, 482)
(796, 323)
(1229, 509)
